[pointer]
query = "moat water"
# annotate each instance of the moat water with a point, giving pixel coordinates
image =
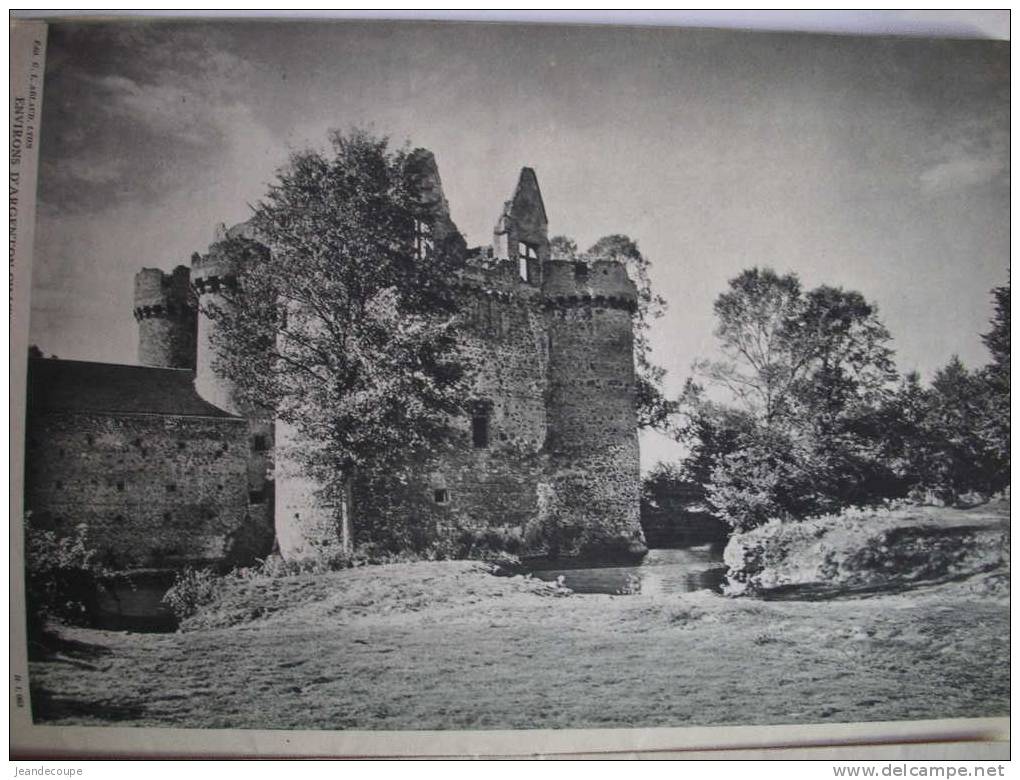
(136, 605)
(661, 571)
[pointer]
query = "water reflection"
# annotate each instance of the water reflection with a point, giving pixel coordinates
(661, 571)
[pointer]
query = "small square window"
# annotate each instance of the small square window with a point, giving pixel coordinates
(441, 495)
(171, 487)
(258, 443)
(180, 445)
(120, 486)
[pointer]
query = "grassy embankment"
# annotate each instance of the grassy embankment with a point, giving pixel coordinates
(446, 645)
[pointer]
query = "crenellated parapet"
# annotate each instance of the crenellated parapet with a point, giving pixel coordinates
(497, 281)
(216, 271)
(170, 311)
(599, 283)
(158, 294)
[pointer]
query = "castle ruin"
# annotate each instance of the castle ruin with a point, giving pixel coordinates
(183, 473)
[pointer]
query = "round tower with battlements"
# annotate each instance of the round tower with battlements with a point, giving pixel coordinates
(592, 501)
(213, 276)
(166, 311)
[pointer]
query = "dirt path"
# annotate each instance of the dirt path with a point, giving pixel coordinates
(446, 645)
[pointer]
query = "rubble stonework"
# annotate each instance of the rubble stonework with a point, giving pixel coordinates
(156, 474)
(558, 473)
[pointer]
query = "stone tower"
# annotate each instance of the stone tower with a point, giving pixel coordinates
(592, 440)
(167, 315)
(213, 275)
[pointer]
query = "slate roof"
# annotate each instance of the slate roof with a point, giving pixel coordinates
(77, 386)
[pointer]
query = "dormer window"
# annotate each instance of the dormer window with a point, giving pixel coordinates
(423, 242)
(525, 252)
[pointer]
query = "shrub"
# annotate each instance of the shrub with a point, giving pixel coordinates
(63, 575)
(192, 589)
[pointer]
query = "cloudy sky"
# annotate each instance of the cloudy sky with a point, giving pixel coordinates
(875, 164)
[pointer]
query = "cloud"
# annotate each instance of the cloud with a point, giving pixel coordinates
(133, 112)
(961, 173)
(969, 154)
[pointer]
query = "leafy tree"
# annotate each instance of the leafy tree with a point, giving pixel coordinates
(953, 437)
(901, 426)
(790, 355)
(958, 457)
(562, 248)
(343, 329)
(762, 479)
(995, 427)
(757, 329)
(806, 372)
(849, 365)
(709, 429)
(997, 339)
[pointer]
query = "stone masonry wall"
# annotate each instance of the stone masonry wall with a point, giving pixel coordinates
(493, 486)
(156, 491)
(496, 484)
(592, 504)
(559, 474)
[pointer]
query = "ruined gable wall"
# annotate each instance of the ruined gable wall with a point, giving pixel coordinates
(113, 471)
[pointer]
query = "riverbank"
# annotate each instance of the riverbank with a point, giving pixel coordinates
(446, 645)
(869, 550)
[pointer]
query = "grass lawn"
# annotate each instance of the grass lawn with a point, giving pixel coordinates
(446, 645)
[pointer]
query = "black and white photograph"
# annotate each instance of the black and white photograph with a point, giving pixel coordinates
(401, 375)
